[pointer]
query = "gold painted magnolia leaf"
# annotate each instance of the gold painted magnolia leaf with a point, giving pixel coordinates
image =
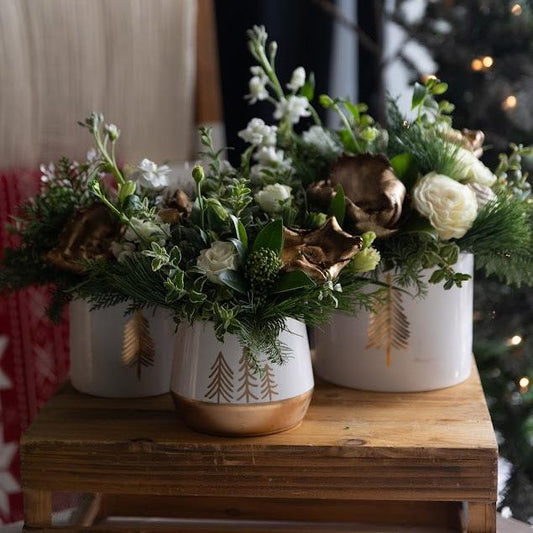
(138, 345)
(389, 327)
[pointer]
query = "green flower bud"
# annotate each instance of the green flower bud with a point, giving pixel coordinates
(127, 189)
(365, 261)
(216, 207)
(368, 238)
(326, 101)
(198, 173)
(316, 220)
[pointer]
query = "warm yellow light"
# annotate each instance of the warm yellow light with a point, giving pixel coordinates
(515, 340)
(510, 102)
(516, 10)
(487, 61)
(524, 382)
(477, 64)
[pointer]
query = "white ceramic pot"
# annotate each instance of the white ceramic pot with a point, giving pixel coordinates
(95, 353)
(437, 354)
(217, 392)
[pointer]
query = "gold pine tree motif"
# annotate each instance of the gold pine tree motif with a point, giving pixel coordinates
(268, 384)
(221, 384)
(247, 379)
(138, 345)
(389, 327)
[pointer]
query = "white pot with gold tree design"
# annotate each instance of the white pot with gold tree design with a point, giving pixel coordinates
(218, 391)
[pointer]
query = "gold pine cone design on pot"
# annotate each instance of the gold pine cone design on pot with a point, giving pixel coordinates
(137, 346)
(388, 327)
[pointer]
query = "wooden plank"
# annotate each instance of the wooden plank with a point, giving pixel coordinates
(353, 445)
(37, 507)
(480, 518)
(443, 514)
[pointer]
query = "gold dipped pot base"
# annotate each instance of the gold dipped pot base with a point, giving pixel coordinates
(243, 420)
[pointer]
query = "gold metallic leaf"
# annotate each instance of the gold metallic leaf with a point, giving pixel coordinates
(469, 139)
(320, 253)
(389, 327)
(374, 195)
(138, 345)
(87, 236)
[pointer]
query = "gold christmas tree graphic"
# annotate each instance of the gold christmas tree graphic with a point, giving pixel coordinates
(268, 384)
(221, 384)
(389, 327)
(247, 379)
(137, 346)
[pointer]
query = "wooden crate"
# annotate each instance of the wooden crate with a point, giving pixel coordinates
(420, 459)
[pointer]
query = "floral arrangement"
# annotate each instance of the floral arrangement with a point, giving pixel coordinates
(416, 183)
(110, 235)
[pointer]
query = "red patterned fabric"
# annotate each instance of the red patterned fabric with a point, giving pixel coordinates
(34, 354)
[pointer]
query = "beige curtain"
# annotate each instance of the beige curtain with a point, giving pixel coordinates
(134, 60)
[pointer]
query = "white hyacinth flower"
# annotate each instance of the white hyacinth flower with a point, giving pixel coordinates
(258, 133)
(294, 108)
(150, 176)
(257, 89)
(297, 79)
(321, 139)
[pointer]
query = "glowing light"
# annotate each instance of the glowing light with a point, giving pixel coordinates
(515, 340)
(487, 61)
(510, 102)
(524, 382)
(477, 64)
(516, 10)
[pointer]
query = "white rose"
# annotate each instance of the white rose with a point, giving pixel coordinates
(297, 79)
(294, 107)
(219, 257)
(146, 231)
(258, 133)
(472, 169)
(450, 206)
(149, 176)
(270, 197)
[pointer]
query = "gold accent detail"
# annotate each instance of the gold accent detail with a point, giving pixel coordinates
(268, 385)
(388, 326)
(221, 384)
(247, 377)
(243, 420)
(138, 345)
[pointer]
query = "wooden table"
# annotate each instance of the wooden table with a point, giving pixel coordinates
(421, 459)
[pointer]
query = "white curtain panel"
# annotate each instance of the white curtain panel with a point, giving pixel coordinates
(134, 60)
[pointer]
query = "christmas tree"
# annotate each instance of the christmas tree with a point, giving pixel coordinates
(483, 49)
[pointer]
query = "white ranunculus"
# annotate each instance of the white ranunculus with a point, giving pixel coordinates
(219, 257)
(321, 139)
(472, 169)
(297, 79)
(257, 89)
(293, 107)
(258, 133)
(484, 194)
(450, 206)
(146, 231)
(271, 197)
(150, 176)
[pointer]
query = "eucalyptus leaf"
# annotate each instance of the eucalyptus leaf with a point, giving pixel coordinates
(234, 280)
(337, 206)
(292, 281)
(419, 94)
(240, 230)
(270, 237)
(406, 168)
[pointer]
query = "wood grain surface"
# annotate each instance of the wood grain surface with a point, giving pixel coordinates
(433, 446)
